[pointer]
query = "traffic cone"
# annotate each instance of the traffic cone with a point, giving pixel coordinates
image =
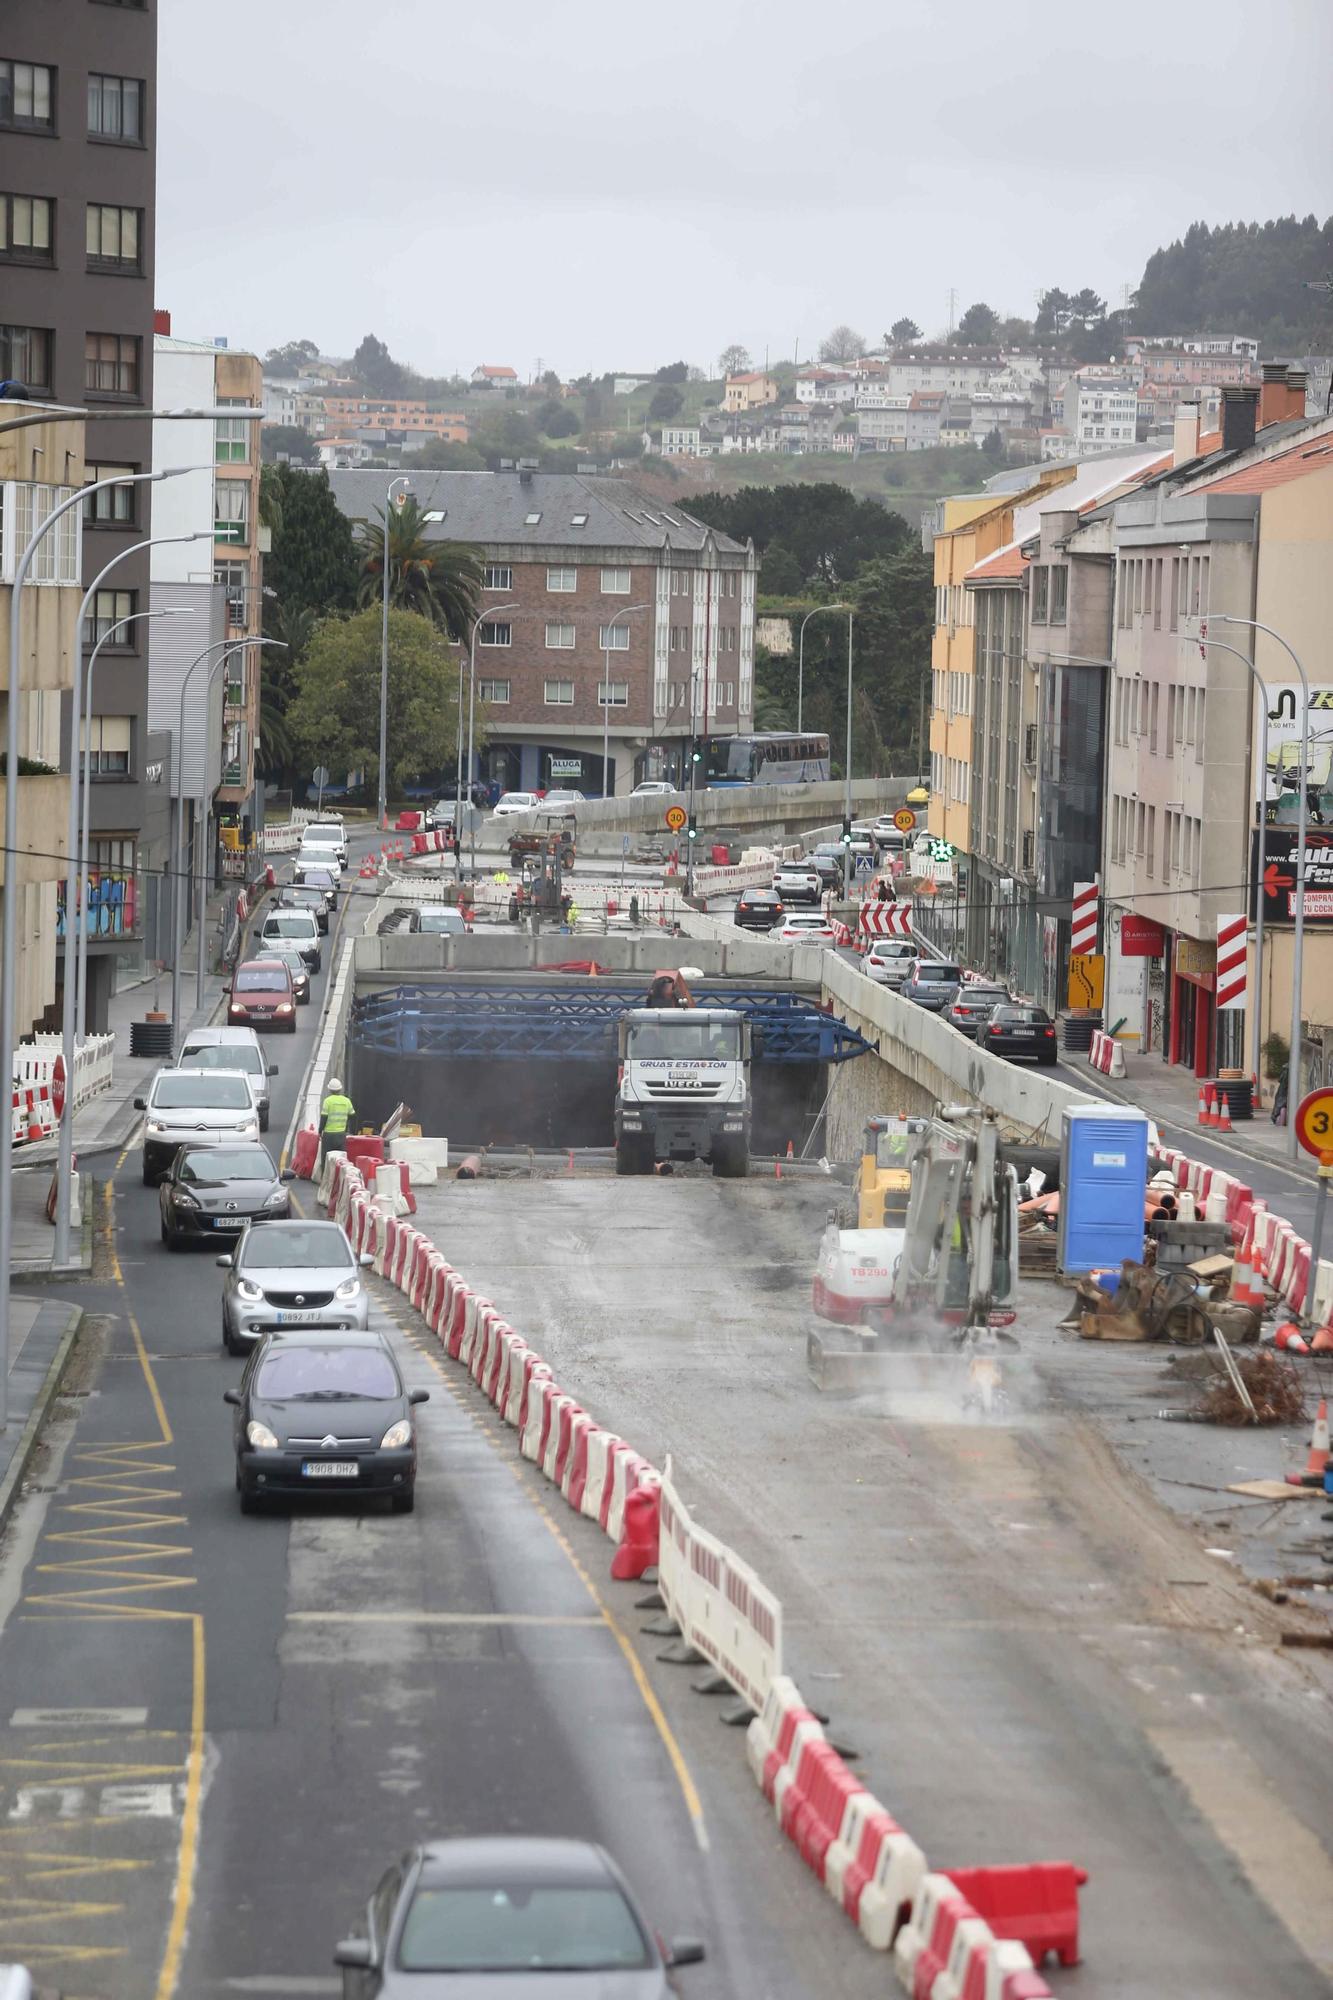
(1223, 1117)
(1323, 1340)
(791, 1150)
(1210, 1115)
(34, 1122)
(1203, 1105)
(1317, 1462)
(1290, 1339)
(1242, 1281)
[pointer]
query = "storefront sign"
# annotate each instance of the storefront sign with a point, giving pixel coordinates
(1196, 961)
(1278, 867)
(566, 767)
(1141, 937)
(1279, 786)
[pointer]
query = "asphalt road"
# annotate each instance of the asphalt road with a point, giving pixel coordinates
(216, 1731)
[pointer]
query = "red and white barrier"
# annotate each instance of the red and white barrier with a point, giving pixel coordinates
(1106, 1054)
(885, 920)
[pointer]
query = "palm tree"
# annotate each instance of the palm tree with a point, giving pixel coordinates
(439, 580)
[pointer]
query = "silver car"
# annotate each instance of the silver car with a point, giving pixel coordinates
(295, 1273)
(231, 1048)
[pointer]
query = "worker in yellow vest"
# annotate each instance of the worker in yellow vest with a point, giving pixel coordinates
(335, 1116)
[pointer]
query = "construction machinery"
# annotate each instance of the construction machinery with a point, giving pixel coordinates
(684, 1091)
(884, 1178)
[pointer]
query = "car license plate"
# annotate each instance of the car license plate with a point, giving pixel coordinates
(260, 1013)
(1029, 1032)
(307, 1317)
(228, 1222)
(331, 1468)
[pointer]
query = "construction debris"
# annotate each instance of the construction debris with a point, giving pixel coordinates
(1274, 1389)
(1152, 1304)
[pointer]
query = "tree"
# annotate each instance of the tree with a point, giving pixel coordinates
(903, 332)
(979, 326)
(294, 355)
(895, 614)
(675, 371)
(441, 455)
(1052, 312)
(667, 403)
(993, 446)
(779, 572)
(843, 344)
(828, 530)
(334, 718)
(440, 581)
(507, 434)
(1086, 307)
(594, 408)
(375, 368)
(557, 420)
(733, 360)
(287, 441)
(312, 564)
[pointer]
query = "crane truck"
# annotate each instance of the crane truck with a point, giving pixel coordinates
(684, 1089)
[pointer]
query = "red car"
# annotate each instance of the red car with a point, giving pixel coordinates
(261, 995)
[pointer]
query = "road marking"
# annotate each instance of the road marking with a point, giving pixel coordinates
(77, 1718)
(187, 1854)
(159, 1408)
(282, 1982)
(440, 1618)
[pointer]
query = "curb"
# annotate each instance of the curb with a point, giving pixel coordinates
(18, 1465)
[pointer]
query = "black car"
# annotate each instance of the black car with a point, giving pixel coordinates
(306, 896)
(322, 1412)
(213, 1191)
(934, 985)
(512, 1915)
(290, 956)
(827, 859)
(1020, 1032)
(973, 1007)
(322, 879)
(759, 909)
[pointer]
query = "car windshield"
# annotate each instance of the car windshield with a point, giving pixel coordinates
(188, 1090)
(441, 920)
(686, 1040)
(231, 1056)
(1029, 1016)
(305, 896)
(521, 1927)
(322, 831)
(327, 1374)
(932, 970)
(299, 924)
(258, 979)
(316, 878)
(306, 1246)
(226, 1163)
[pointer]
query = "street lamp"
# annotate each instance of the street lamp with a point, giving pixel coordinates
(1298, 940)
(73, 909)
(847, 775)
(486, 617)
(403, 481)
(628, 612)
(9, 916)
(800, 657)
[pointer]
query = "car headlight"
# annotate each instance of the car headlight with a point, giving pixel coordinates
(397, 1436)
(155, 1125)
(277, 1198)
(348, 1289)
(183, 1200)
(246, 1290)
(284, 1006)
(260, 1437)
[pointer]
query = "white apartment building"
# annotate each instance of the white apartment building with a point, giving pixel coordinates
(1102, 411)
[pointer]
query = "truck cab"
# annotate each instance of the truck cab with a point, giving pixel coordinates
(684, 1091)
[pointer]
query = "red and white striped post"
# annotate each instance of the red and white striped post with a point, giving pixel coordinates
(1232, 939)
(1083, 923)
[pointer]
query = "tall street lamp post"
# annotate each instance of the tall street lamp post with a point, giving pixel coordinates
(487, 617)
(847, 775)
(628, 612)
(403, 481)
(800, 658)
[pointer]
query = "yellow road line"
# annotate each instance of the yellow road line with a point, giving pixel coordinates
(187, 1854)
(159, 1407)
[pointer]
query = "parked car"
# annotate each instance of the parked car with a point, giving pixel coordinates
(323, 878)
(520, 1915)
(510, 803)
(298, 896)
(231, 1048)
(933, 984)
(805, 927)
(759, 909)
(797, 882)
(297, 1273)
(438, 920)
(261, 996)
(445, 811)
(890, 961)
(973, 1006)
(1020, 1032)
(564, 799)
(315, 1415)
(290, 956)
(654, 788)
(212, 1191)
(296, 927)
(194, 1107)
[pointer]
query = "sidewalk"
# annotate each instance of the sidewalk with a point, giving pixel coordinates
(41, 1333)
(1169, 1093)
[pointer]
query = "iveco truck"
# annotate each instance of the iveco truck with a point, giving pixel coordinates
(684, 1091)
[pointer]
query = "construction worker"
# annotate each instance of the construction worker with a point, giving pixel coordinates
(335, 1115)
(668, 989)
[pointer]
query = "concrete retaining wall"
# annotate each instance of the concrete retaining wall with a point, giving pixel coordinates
(747, 806)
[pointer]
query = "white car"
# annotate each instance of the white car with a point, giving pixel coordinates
(805, 927)
(889, 961)
(516, 802)
(654, 788)
(326, 833)
(194, 1107)
(298, 927)
(564, 799)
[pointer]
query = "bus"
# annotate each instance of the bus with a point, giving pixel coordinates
(781, 757)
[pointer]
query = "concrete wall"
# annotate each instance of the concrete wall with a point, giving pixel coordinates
(756, 807)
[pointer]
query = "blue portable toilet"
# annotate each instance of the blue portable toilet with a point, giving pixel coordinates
(1103, 1178)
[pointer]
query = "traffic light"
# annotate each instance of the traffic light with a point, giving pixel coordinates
(696, 755)
(846, 833)
(692, 832)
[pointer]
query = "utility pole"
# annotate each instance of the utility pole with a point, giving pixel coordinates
(953, 307)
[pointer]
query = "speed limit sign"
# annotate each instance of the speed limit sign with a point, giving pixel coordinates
(904, 819)
(676, 817)
(1314, 1122)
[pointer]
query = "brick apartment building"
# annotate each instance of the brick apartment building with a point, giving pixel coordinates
(591, 572)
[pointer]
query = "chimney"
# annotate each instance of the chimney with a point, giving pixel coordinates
(1276, 400)
(1297, 382)
(1239, 408)
(1185, 437)
(161, 320)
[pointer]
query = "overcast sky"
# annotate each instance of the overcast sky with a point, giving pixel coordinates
(615, 186)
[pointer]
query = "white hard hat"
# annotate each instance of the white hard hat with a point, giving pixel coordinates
(335, 1083)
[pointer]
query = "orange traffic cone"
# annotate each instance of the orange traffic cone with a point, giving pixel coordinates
(1323, 1340)
(791, 1150)
(1242, 1281)
(1290, 1338)
(1223, 1117)
(1317, 1463)
(1203, 1105)
(34, 1122)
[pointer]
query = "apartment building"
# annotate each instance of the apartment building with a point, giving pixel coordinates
(582, 574)
(750, 391)
(355, 414)
(1102, 411)
(78, 111)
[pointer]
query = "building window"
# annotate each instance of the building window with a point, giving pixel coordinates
(615, 583)
(495, 692)
(1059, 595)
(559, 694)
(23, 507)
(114, 506)
(613, 694)
(494, 632)
(111, 365)
(27, 97)
(231, 511)
(1040, 587)
(115, 109)
(562, 579)
(109, 745)
(107, 609)
(231, 435)
(113, 237)
(25, 355)
(27, 232)
(614, 638)
(497, 576)
(234, 579)
(559, 638)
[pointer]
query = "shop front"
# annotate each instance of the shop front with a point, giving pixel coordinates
(1192, 1016)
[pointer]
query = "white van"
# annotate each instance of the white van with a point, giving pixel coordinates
(231, 1048)
(320, 839)
(298, 927)
(195, 1107)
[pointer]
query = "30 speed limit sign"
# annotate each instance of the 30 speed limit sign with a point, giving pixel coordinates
(1314, 1122)
(676, 817)
(904, 819)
